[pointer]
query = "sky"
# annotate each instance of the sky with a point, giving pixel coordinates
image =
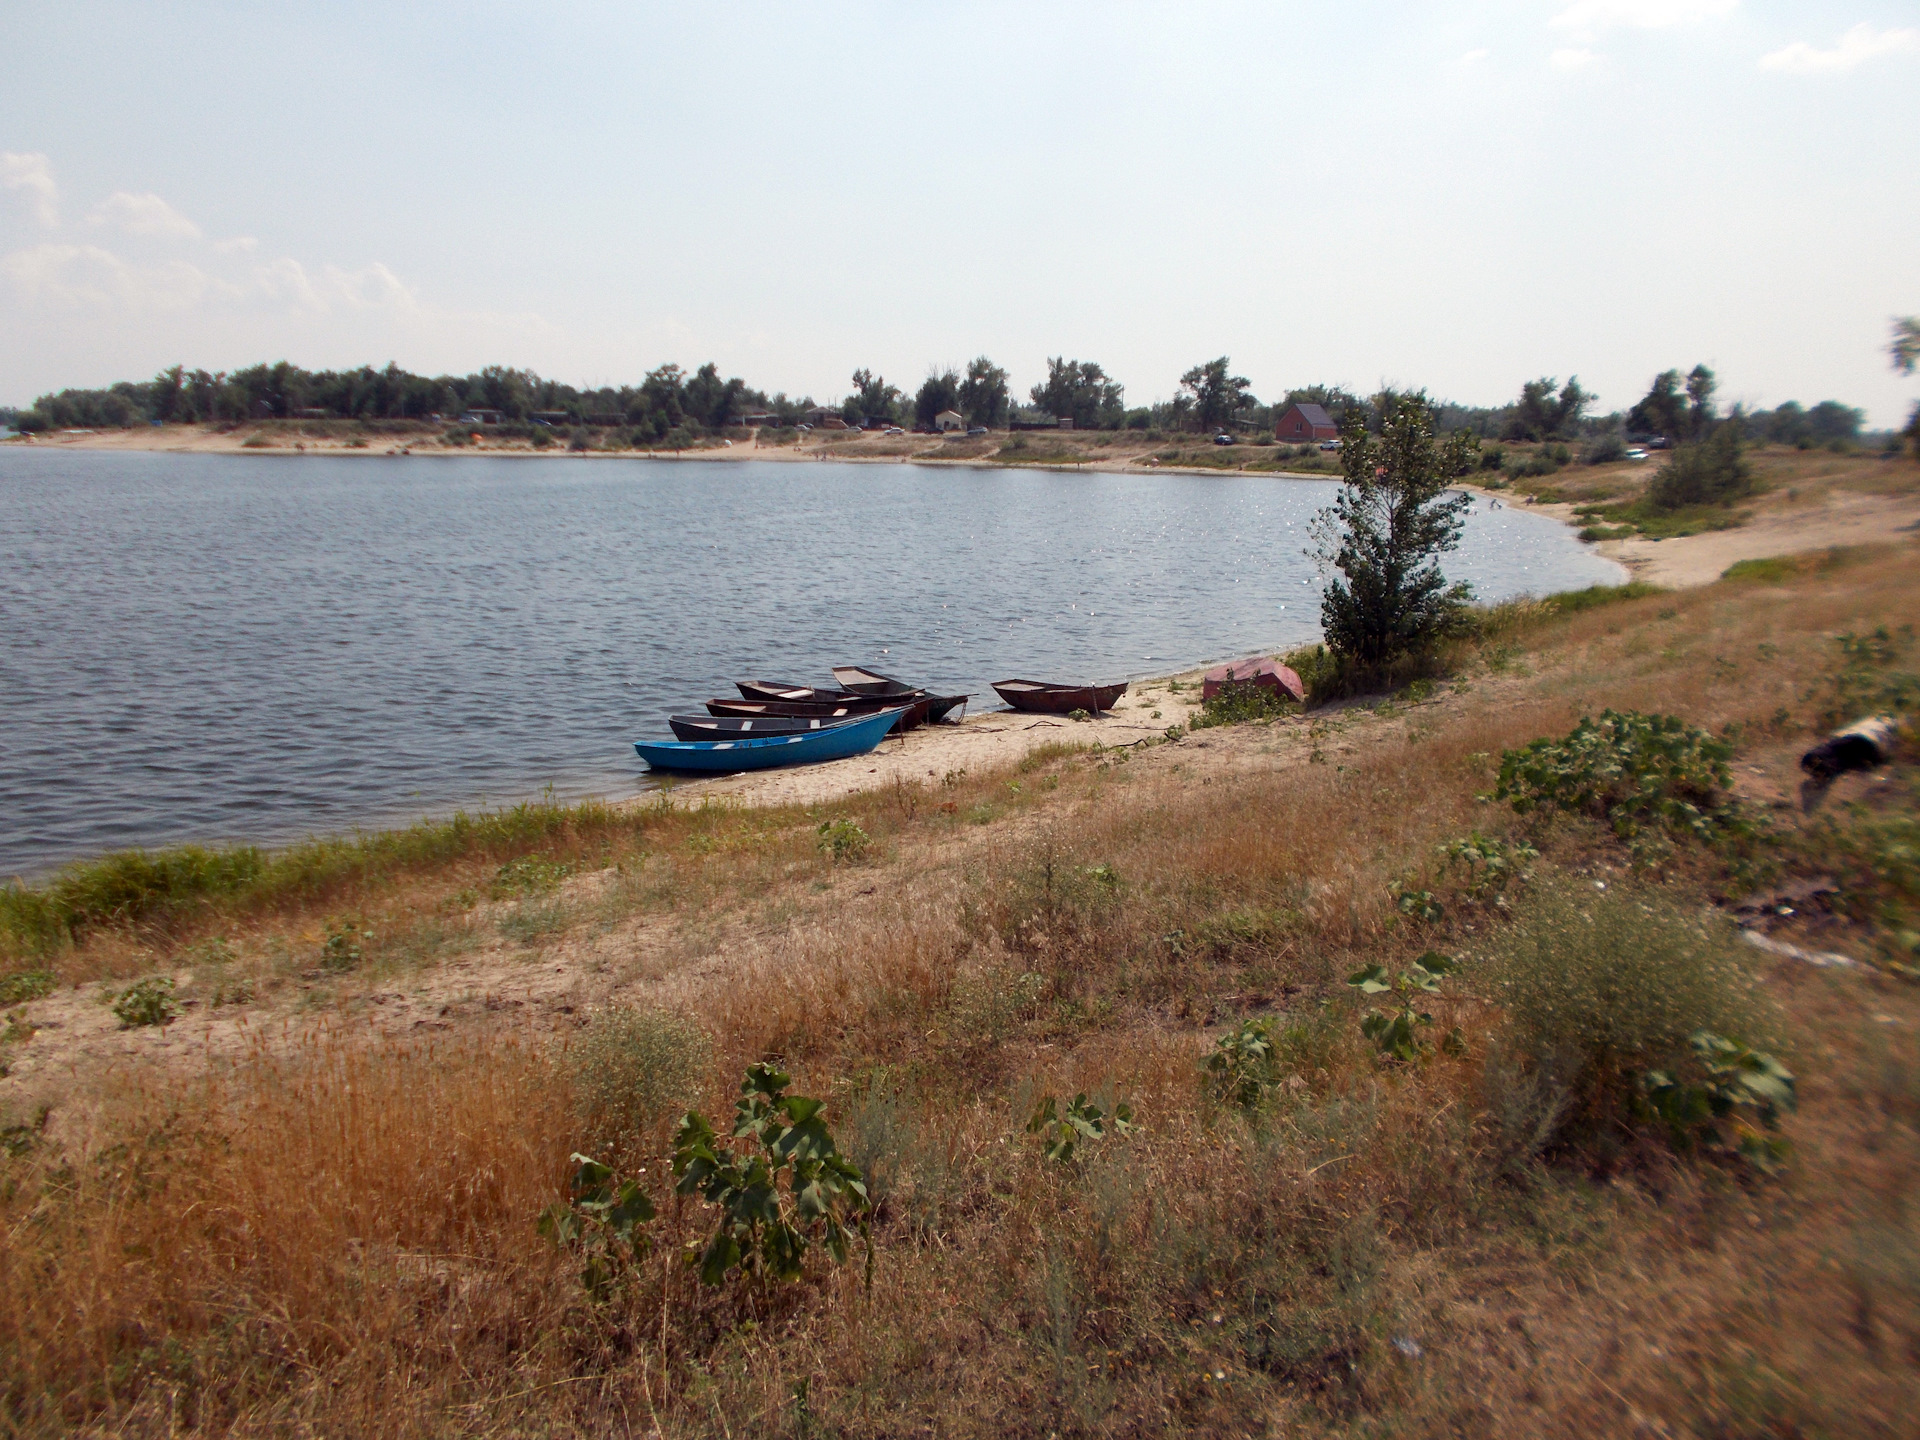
(1456, 196)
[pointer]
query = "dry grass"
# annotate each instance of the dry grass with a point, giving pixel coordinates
(334, 1233)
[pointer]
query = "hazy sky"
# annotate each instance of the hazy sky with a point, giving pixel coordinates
(1459, 196)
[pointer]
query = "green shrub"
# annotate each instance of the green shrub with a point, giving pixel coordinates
(1868, 683)
(1064, 1131)
(529, 875)
(632, 1068)
(344, 947)
(1241, 1065)
(599, 1221)
(1629, 769)
(1234, 704)
(148, 1002)
(766, 1229)
(843, 839)
(1600, 990)
(1711, 472)
(24, 985)
(1395, 1030)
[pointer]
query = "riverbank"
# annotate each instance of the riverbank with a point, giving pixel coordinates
(308, 1201)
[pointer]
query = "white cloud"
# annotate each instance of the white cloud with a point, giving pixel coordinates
(238, 245)
(1474, 57)
(32, 173)
(73, 276)
(1596, 15)
(143, 215)
(1572, 59)
(1859, 45)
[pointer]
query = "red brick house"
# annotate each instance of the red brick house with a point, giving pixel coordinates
(1306, 422)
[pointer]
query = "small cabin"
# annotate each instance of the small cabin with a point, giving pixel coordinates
(1305, 423)
(949, 420)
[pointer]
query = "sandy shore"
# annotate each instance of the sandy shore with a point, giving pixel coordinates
(840, 447)
(1776, 526)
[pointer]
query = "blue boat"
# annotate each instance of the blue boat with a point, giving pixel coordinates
(837, 742)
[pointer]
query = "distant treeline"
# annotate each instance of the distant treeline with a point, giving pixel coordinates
(672, 406)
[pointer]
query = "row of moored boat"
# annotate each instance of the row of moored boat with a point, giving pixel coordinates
(776, 724)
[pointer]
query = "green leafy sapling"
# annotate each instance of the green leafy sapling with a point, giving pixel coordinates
(600, 1220)
(1063, 1131)
(765, 1228)
(1241, 1064)
(1396, 1030)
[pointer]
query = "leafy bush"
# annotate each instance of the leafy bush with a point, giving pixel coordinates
(634, 1067)
(1396, 1029)
(766, 1229)
(25, 985)
(1241, 1065)
(344, 947)
(1063, 1131)
(529, 875)
(1603, 449)
(1234, 703)
(1488, 866)
(1602, 989)
(1631, 770)
(1711, 472)
(600, 1221)
(148, 1002)
(843, 839)
(1867, 682)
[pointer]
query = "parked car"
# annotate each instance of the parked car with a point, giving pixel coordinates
(977, 430)
(803, 427)
(1636, 453)
(1223, 439)
(895, 430)
(1329, 444)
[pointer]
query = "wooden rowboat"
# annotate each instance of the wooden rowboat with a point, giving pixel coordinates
(773, 690)
(835, 742)
(913, 712)
(1042, 696)
(861, 681)
(734, 727)
(871, 682)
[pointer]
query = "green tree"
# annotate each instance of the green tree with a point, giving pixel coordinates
(1904, 347)
(1700, 413)
(872, 399)
(1664, 409)
(1213, 395)
(1541, 415)
(982, 396)
(1384, 533)
(940, 391)
(1080, 391)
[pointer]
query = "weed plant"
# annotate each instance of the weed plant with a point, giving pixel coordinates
(631, 1069)
(1598, 989)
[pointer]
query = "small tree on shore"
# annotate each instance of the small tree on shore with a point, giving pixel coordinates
(1385, 532)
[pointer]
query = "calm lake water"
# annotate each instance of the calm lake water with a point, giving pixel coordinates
(242, 648)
